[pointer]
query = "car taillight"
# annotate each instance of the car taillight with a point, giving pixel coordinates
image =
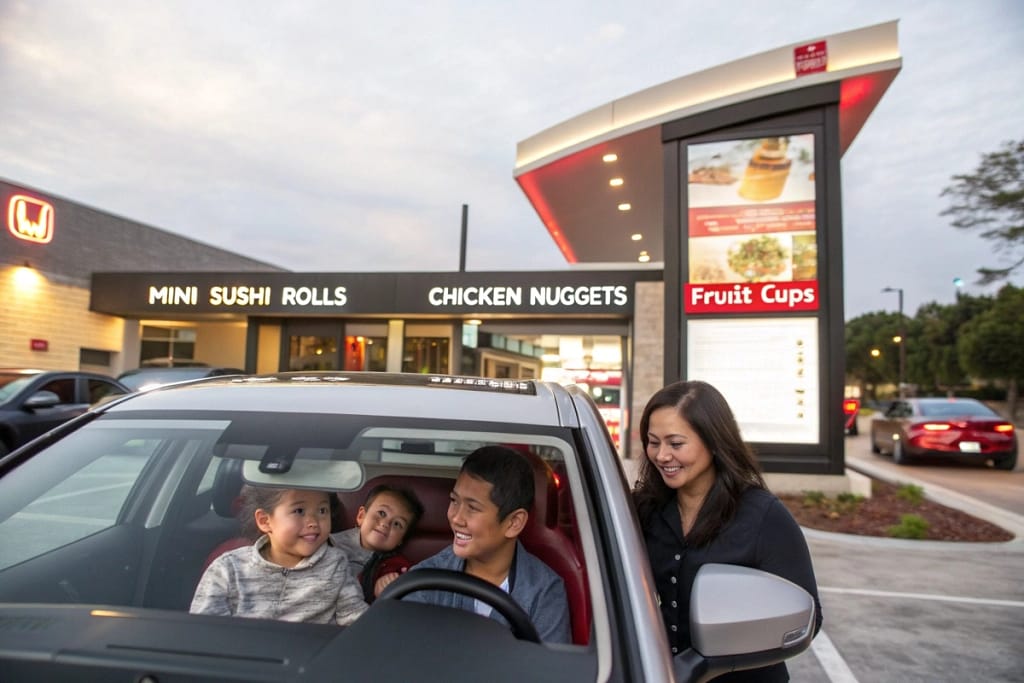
(851, 406)
(936, 426)
(1004, 428)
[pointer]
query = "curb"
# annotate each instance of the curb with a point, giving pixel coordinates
(1004, 519)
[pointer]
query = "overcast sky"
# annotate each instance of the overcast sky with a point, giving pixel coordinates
(341, 136)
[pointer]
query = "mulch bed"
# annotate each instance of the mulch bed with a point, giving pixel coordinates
(874, 516)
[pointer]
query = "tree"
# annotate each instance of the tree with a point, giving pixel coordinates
(992, 199)
(938, 364)
(867, 332)
(991, 345)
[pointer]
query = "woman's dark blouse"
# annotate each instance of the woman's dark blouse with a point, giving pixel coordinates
(762, 535)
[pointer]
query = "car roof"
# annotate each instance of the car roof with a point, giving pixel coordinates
(441, 397)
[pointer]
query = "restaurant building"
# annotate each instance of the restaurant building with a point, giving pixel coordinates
(701, 219)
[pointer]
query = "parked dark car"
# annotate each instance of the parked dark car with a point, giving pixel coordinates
(150, 377)
(33, 402)
(949, 428)
(98, 585)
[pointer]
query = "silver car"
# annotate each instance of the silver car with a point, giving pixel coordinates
(105, 529)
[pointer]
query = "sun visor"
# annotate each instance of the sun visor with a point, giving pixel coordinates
(321, 475)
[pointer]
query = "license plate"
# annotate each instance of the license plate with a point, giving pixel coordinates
(970, 447)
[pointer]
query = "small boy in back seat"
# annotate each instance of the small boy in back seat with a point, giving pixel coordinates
(383, 523)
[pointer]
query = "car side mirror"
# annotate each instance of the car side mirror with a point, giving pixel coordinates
(41, 399)
(742, 618)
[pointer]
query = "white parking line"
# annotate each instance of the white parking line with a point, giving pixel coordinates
(831, 661)
(922, 596)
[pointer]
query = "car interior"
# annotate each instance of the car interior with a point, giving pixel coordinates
(174, 497)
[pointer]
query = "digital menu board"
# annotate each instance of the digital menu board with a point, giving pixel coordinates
(767, 369)
(752, 241)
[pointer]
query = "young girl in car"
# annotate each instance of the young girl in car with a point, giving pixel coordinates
(291, 572)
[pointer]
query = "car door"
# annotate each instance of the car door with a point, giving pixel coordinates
(37, 420)
(889, 424)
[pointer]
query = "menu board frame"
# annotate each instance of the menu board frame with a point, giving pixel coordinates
(813, 109)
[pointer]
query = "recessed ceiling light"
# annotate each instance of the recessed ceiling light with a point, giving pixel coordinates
(615, 182)
(644, 257)
(608, 158)
(474, 321)
(625, 206)
(636, 237)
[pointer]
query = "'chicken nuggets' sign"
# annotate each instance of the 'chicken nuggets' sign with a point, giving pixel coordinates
(30, 219)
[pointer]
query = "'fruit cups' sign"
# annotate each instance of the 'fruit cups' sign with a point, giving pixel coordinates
(30, 219)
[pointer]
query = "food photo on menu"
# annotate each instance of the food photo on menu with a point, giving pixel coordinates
(752, 210)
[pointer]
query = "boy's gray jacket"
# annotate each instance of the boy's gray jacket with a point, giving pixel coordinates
(319, 589)
(535, 586)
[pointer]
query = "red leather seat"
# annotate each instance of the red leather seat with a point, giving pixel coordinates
(431, 534)
(545, 538)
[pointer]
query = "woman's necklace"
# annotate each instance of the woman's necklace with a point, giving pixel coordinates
(688, 519)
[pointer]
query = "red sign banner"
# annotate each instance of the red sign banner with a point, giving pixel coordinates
(810, 59)
(752, 297)
(744, 219)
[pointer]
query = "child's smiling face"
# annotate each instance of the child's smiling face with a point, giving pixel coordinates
(473, 516)
(384, 522)
(297, 526)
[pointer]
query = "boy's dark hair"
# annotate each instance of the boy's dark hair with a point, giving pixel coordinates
(508, 472)
(406, 495)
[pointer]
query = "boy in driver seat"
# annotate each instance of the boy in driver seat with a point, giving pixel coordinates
(488, 509)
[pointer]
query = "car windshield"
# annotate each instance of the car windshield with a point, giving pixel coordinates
(11, 384)
(148, 500)
(946, 408)
(145, 378)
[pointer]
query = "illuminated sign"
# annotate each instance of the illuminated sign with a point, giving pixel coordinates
(810, 59)
(30, 219)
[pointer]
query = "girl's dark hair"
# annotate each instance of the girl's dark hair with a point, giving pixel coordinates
(256, 498)
(735, 465)
(262, 498)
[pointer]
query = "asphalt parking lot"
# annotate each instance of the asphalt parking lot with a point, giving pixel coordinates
(899, 610)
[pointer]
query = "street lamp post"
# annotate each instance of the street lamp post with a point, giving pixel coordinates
(902, 340)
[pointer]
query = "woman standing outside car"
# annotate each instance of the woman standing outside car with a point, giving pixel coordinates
(701, 499)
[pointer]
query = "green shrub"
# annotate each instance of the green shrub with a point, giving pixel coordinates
(912, 493)
(910, 526)
(814, 499)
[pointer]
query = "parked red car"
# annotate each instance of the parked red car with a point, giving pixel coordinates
(960, 428)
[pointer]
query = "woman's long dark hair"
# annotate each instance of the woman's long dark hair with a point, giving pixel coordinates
(736, 467)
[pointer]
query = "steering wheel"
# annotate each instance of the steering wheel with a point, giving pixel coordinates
(464, 584)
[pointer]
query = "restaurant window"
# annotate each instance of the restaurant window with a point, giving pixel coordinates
(426, 355)
(159, 343)
(366, 353)
(310, 352)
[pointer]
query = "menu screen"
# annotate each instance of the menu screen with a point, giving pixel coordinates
(752, 230)
(767, 369)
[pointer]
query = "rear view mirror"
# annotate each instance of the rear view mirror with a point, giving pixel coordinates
(742, 618)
